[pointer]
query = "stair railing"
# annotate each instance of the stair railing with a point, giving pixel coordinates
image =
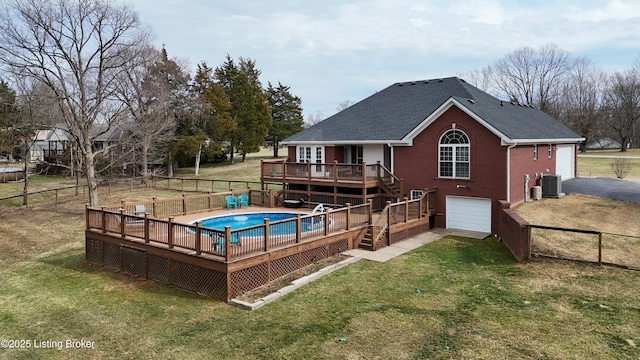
(380, 227)
(385, 177)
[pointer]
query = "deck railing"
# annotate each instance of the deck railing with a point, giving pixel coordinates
(228, 244)
(330, 172)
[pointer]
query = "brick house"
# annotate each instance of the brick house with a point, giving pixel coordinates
(445, 134)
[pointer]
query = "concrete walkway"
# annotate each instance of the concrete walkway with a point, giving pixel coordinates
(401, 247)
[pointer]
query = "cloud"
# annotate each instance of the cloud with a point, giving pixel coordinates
(613, 10)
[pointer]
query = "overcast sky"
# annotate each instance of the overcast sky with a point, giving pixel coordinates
(330, 51)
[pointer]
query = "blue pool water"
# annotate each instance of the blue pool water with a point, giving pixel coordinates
(240, 221)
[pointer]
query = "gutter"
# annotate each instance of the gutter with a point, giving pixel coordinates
(509, 171)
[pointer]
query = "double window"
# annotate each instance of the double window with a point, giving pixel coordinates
(453, 154)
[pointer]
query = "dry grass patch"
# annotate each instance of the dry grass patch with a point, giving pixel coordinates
(587, 213)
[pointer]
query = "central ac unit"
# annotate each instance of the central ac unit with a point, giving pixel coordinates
(552, 186)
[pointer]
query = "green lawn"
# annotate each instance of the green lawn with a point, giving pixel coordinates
(453, 299)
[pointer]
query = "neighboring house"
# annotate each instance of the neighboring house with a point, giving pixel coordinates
(603, 144)
(56, 147)
(445, 134)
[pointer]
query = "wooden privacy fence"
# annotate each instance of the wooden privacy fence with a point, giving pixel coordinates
(591, 246)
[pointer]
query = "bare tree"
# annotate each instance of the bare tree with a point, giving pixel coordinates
(345, 104)
(148, 93)
(623, 104)
(482, 79)
(313, 119)
(580, 105)
(79, 49)
(532, 77)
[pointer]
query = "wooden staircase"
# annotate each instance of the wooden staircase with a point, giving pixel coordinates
(391, 188)
(367, 241)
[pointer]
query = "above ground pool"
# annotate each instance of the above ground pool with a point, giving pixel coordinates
(242, 221)
(11, 174)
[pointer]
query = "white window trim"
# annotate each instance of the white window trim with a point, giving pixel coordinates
(453, 155)
(416, 194)
(550, 151)
(535, 152)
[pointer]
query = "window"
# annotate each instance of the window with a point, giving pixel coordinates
(359, 154)
(416, 194)
(535, 152)
(454, 155)
(550, 151)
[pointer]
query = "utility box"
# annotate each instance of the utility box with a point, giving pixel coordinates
(552, 186)
(536, 192)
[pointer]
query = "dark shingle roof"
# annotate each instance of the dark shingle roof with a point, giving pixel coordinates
(391, 114)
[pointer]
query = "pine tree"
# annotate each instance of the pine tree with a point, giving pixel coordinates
(286, 112)
(249, 105)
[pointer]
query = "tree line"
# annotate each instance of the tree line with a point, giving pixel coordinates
(573, 90)
(90, 65)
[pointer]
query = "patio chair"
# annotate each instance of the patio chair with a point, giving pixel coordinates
(218, 241)
(140, 210)
(243, 199)
(231, 201)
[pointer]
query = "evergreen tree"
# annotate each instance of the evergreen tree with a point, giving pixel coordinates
(249, 105)
(286, 112)
(208, 124)
(7, 115)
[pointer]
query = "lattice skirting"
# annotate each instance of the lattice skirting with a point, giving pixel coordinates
(137, 262)
(255, 276)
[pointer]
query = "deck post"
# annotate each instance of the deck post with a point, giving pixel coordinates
(155, 207)
(104, 220)
(348, 216)
(170, 234)
(298, 228)
(147, 223)
(406, 209)
(227, 246)
(198, 237)
(86, 216)
(267, 245)
(122, 222)
(370, 211)
(326, 222)
(364, 173)
(378, 177)
(184, 204)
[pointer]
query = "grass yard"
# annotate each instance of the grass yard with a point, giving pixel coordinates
(601, 167)
(473, 302)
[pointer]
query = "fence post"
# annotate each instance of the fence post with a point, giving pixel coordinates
(348, 216)
(298, 228)
(600, 248)
(210, 201)
(170, 233)
(198, 237)
(130, 185)
(267, 243)
(184, 204)
(155, 207)
(196, 185)
(370, 211)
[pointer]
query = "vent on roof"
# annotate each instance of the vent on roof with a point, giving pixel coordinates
(440, 80)
(413, 83)
(471, 101)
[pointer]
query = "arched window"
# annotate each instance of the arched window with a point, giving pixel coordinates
(453, 152)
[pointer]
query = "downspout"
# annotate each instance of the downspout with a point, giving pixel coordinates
(509, 171)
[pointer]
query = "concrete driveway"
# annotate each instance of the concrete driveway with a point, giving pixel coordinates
(603, 187)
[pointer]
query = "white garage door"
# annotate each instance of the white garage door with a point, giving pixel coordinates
(565, 161)
(468, 213)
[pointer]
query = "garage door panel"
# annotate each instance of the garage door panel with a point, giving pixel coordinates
(468, 213)
(565, 161)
